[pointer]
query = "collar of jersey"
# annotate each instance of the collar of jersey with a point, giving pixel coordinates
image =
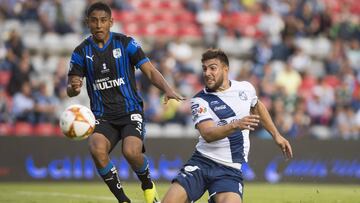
(96, 46)
(207, 90)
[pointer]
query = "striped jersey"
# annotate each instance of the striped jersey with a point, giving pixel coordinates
(223, 108)
(110, 74)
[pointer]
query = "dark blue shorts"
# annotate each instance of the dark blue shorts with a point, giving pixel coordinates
(200, 174)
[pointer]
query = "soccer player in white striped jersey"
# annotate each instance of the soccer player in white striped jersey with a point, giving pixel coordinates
(224, 113)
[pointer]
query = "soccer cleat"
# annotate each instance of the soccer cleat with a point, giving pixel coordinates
(151, 195)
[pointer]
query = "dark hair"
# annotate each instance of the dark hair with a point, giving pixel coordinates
(98, 6)
(215, 54)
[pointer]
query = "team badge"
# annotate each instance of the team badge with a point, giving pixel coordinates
(243, 95)
(117, 53)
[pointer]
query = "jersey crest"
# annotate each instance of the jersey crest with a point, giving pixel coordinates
(117, 53)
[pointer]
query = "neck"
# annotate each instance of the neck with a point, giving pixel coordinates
(224, 86)
(101, 43)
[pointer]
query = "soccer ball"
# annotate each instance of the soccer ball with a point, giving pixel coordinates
(77, 122)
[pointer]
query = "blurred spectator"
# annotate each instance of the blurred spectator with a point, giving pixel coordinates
(288, 80)
(301, 121)
(319, 111)
(153, 107)
(271, 24)
(60, 78)
(23, 104)
(208, 17)
(45, 105)
(15, 45)
(29, 10)
(345, 122)
(53, 18)
(5, 106)
(284, 49)
(20, 74)
(300, 61)
(262, 54)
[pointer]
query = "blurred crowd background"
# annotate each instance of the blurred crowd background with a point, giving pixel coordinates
(303, 57)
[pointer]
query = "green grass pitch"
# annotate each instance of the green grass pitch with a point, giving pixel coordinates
(97, 192)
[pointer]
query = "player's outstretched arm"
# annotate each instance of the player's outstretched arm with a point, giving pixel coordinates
(74, 85)
(159, 81)
(269, 125)
(210, 132)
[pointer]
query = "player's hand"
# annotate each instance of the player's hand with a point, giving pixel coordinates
(172, 95)
(76, 83)
(284, 146)
(248, 122)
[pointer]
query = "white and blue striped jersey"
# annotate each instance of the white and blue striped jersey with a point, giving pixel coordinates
(224, 107)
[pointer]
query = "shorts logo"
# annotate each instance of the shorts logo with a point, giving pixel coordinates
(117, 53)
(136, 117)
(191, 168)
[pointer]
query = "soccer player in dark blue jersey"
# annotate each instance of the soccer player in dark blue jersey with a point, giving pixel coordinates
(108, 60)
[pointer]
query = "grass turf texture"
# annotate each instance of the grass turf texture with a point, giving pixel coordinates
(97, 192)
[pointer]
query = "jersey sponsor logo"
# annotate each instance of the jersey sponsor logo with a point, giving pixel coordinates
(218, 108)
(90, 57)
(117, 53)
(243, 95)
(214, 103)
(222, 122)
(103, 84)
(198, 111)
(104, 69)
(194, 106)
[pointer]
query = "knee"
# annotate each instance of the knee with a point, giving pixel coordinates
(131, 152)
(99, 149)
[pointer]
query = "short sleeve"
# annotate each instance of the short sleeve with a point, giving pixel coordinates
(77, 63)
(199, 110)
(136, 54)
(252, 94)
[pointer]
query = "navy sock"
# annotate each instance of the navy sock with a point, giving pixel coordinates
(143, 174)
(111, 178)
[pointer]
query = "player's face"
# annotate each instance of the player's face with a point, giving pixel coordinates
(214, 73)
(99, 23)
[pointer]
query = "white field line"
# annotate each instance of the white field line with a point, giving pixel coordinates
(79, 196)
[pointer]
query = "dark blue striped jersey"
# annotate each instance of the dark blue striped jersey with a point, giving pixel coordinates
(110, 74)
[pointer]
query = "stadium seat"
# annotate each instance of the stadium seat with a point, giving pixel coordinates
(170, 5)
(184, 17)
(5, 129)
(190, 31)
(23, 129)
(169, 31)
(131, 29)
(57, 131)
(44, 129)
(153, 130)
(173, 130)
